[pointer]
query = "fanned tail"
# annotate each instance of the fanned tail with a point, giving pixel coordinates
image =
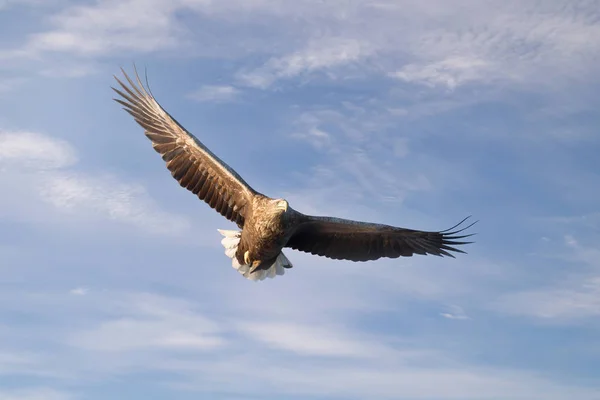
(231, 241)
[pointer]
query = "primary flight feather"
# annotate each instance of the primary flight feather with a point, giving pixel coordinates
(268, 225)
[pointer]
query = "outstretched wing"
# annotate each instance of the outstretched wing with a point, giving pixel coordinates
(344, 239)
(191, 163)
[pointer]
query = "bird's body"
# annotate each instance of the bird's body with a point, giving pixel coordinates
(266, 231)
(268, 225)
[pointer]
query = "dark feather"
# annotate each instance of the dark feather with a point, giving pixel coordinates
(191, 163)
(361, 241)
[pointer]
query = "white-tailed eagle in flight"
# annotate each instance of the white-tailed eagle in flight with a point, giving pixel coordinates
(268, 225)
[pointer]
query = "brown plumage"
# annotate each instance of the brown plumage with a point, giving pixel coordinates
(268, 225)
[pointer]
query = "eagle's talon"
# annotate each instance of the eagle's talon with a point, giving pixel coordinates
(247, 257)
(255, 266)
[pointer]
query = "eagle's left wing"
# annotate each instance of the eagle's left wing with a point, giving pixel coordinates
(191, 163)
(344, 239)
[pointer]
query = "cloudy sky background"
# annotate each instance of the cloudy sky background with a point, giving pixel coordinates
(113, 283)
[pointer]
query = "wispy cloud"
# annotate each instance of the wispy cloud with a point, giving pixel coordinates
(384, 382)
(35, 150)
(579, 299)
(450, 72)
(157, 334)
(215, 93)
(24, 155)
(575, 297)
(70, 71)
(152, 322)
(79, 291)
(401, 147)
(308, 128)
(21, 363)
(589, 220)
(319, 55)
(312, 341)
(109, 198)
(107, 27)
(34, 394)
(433, 43)
(132, 334)
(4, 4)
(455, 312)
(9, 84)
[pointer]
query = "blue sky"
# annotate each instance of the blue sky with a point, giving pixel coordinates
(113, 281)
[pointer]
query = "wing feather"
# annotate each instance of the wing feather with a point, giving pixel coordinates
(344, 239)
(191, 163)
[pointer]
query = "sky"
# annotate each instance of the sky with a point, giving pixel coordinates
(113, 281)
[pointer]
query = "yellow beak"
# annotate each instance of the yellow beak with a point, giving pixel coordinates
(282, 205)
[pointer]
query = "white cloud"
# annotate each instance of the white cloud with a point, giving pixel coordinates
(455, 312)
(114, 26)
(380, 381)
(70, 71)
(435, 42)
(18, 363)
(80, 291)
(312, 340)
(573, 298)
(151, 322)
(153, 333)
(579, 300)
(401, 148)
(34, 394)
(354, 123)
(317, 137)
(34, 150)
(590, 220)
(374, 178)
(129, 334)
(514, 41)
(39, 169)
(109, 26)
(354, 161)
(156, 332)
(109, 198)
(9, 84)
(450, 72)
(215, 93)
(321, 54)
(581, 253)
(4, 4)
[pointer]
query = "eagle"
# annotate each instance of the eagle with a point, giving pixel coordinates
(268, 225)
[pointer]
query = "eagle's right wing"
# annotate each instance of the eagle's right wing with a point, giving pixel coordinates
(191, 163)
(344, 239)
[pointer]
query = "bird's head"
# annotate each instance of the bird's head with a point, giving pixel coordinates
(281, 205)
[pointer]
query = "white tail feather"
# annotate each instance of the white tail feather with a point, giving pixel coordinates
(231, 240)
